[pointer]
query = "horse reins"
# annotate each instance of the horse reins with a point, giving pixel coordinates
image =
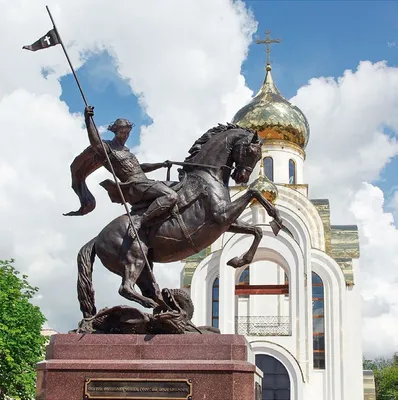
(188, 164)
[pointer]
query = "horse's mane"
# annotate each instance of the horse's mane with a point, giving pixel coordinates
(196, 147)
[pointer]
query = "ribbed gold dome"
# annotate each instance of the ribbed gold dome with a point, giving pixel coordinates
(273, 117)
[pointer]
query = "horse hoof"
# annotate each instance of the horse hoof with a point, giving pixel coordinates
(235, 262)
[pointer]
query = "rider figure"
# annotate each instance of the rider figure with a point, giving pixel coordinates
(130, 172)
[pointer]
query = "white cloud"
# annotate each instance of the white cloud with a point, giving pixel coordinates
(182, 59)
(347, 143)
(378, 271)
(347, 147)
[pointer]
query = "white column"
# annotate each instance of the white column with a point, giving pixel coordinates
(227, 299)
(352, 351)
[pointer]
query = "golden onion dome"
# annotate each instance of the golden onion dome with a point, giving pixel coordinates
(274, 117)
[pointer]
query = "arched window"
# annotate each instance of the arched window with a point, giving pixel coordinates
(215, 305)
(292, 172)
(244, 278)
(276, 381)
(269, 168)
(318, 322)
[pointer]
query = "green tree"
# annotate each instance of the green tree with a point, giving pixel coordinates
(378, 363)
(387, 383)
(386, 376)
(21, 342)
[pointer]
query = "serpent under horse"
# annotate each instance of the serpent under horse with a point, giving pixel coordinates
(205, 212)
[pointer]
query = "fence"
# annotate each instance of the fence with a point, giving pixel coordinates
(263, 326)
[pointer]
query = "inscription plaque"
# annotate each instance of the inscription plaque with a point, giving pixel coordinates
(138, 389)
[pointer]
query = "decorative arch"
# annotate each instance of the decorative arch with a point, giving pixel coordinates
(300, 215)
(334, 299)
(286, 358)
(281, 250)
(206, 272)
(294, 226)
(305, 211)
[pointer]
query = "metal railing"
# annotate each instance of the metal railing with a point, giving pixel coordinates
(263, 326)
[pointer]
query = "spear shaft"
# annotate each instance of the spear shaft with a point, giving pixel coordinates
(103, 146)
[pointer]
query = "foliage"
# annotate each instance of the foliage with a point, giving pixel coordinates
(21, 342)
(386, 376)
(378, 363)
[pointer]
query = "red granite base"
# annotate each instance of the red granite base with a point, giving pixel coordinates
(215, 365)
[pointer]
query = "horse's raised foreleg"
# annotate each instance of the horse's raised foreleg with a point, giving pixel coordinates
(276, 224)
(226, 213)
(245, 229)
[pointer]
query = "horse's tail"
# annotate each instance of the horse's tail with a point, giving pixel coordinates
(85, 289)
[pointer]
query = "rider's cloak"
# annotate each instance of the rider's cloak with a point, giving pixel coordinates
(82, 166)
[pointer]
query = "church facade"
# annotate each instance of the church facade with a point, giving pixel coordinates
(298, 303)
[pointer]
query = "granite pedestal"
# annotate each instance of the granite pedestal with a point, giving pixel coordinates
(192, 367)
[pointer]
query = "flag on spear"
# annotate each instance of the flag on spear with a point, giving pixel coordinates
(52, 38)
(48, 40)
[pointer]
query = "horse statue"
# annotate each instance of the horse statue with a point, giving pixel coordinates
(205, 212)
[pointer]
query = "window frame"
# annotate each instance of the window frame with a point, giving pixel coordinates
(215, 318)
(293, 163)
(319, 355)
(271, 178)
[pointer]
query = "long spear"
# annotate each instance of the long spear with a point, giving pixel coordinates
(53, 38)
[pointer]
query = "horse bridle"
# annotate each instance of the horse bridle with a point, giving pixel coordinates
(237, 166)
(189, 164)
(244, 148)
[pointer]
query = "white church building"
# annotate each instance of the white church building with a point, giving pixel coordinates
(298, 303)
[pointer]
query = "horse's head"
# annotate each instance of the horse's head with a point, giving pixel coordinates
(245, 154)
(226, 145)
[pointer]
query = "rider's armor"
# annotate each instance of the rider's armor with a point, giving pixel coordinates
(125, 163)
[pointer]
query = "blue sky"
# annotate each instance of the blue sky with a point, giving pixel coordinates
(318, 38)
(187, 58)
(321, 38)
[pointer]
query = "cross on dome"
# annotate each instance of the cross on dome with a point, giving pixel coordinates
(268, 41)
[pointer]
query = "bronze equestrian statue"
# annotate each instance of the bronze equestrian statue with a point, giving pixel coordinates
(173, 219)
